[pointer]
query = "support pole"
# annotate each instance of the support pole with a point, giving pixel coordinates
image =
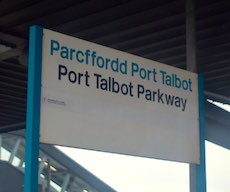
(14, 151)
(33, 109)
(65, 183)
(190, 37)
(48, 175)
(21, 163)
(41, 167)
(197, 172)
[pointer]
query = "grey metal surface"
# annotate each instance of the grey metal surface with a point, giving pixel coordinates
(217, 125)
(11, 178)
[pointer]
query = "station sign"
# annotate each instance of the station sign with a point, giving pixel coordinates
(98, 98)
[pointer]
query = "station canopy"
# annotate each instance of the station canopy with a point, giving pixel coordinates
(151, 29)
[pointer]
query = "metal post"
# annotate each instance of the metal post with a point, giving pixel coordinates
(201, 169)
(33, 109)
(48, 175)
(190, 37)
(21, 163)
(41, 167)
(197, 172)
(65, 183)
(14, 151)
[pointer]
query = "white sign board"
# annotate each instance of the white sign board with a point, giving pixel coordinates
(98, 98)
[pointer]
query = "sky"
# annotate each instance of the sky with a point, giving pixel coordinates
(127, 173)
(218, 168)
(135, 174)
